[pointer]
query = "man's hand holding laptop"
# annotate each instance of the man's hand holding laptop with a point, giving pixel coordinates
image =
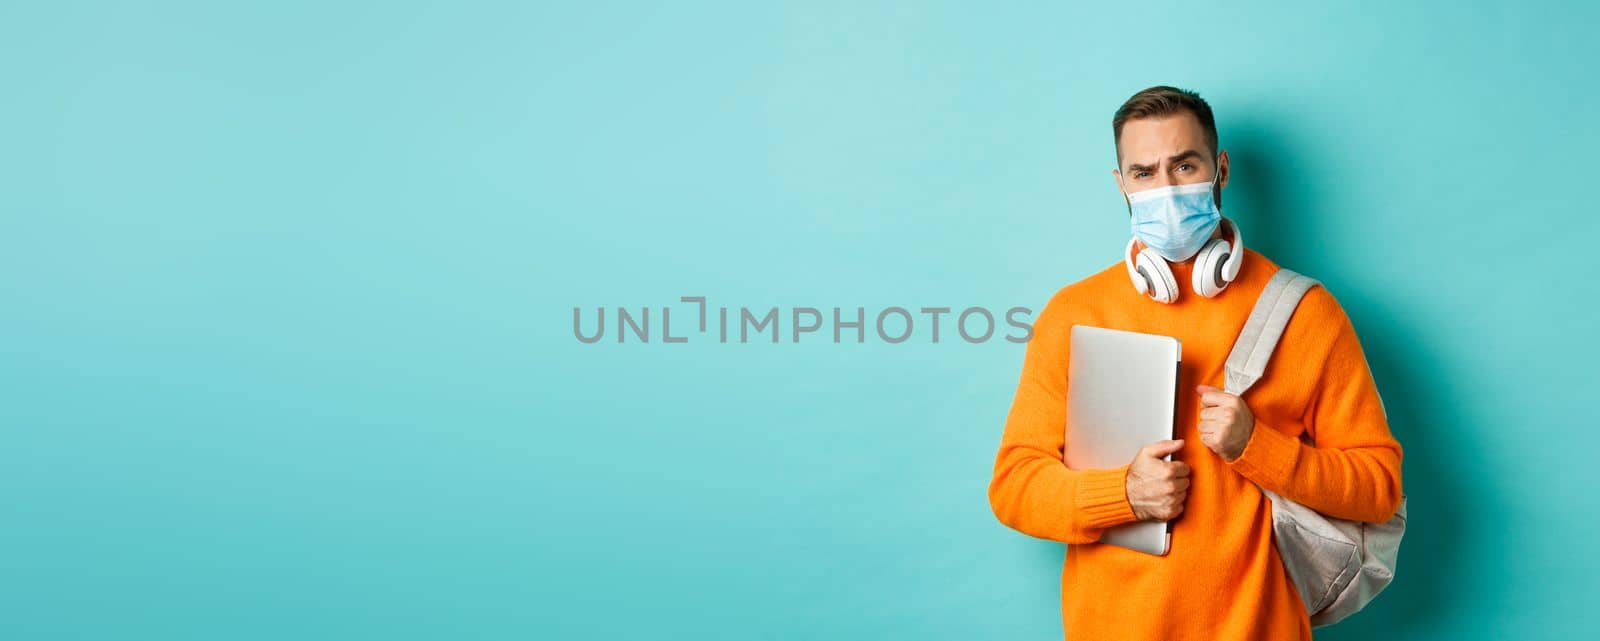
(1157, 488)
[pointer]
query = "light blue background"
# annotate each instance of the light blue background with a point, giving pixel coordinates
(287, 292)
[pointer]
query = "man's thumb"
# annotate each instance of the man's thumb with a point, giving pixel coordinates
(1159, 449)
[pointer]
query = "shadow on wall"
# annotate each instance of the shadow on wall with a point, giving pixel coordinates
(1278, 219)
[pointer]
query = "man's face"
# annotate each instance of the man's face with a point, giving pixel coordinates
(1165, 151)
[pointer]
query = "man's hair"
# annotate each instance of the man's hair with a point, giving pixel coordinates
(1164, 101)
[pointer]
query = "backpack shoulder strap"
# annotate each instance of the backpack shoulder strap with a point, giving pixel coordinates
(1248, 360)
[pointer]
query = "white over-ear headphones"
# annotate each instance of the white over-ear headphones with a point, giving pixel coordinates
(1216, 265)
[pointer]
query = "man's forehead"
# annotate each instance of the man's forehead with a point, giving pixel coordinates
(1148, 140)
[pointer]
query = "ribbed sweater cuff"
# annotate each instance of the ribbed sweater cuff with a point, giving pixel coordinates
(1269, 457)
(1103, 498)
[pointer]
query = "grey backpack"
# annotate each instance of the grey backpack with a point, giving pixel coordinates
(1337, 565)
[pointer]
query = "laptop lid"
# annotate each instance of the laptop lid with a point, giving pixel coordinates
(1122, 391)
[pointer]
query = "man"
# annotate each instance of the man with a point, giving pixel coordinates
(1222, 578)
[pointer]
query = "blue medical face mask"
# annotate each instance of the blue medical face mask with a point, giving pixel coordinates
(1175, 221)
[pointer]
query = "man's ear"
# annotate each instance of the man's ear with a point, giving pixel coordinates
(1117, 176)
(1222, 169)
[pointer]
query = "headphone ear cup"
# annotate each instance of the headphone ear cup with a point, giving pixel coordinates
(1163, 286)
(1236, 251)
(1208, 279)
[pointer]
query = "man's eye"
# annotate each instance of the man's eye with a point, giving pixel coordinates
(1140, 174)
(1185, 167)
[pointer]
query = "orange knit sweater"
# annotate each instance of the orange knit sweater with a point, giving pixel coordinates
(1222, 578)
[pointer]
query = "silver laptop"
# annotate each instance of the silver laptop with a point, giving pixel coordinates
(1122, 393)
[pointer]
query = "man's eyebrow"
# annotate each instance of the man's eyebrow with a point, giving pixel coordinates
(1185, 155)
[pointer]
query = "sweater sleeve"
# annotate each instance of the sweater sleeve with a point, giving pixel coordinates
(1033, 491)
(1352, 471)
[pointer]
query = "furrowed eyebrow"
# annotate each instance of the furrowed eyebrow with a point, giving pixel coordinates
(1186, 155)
